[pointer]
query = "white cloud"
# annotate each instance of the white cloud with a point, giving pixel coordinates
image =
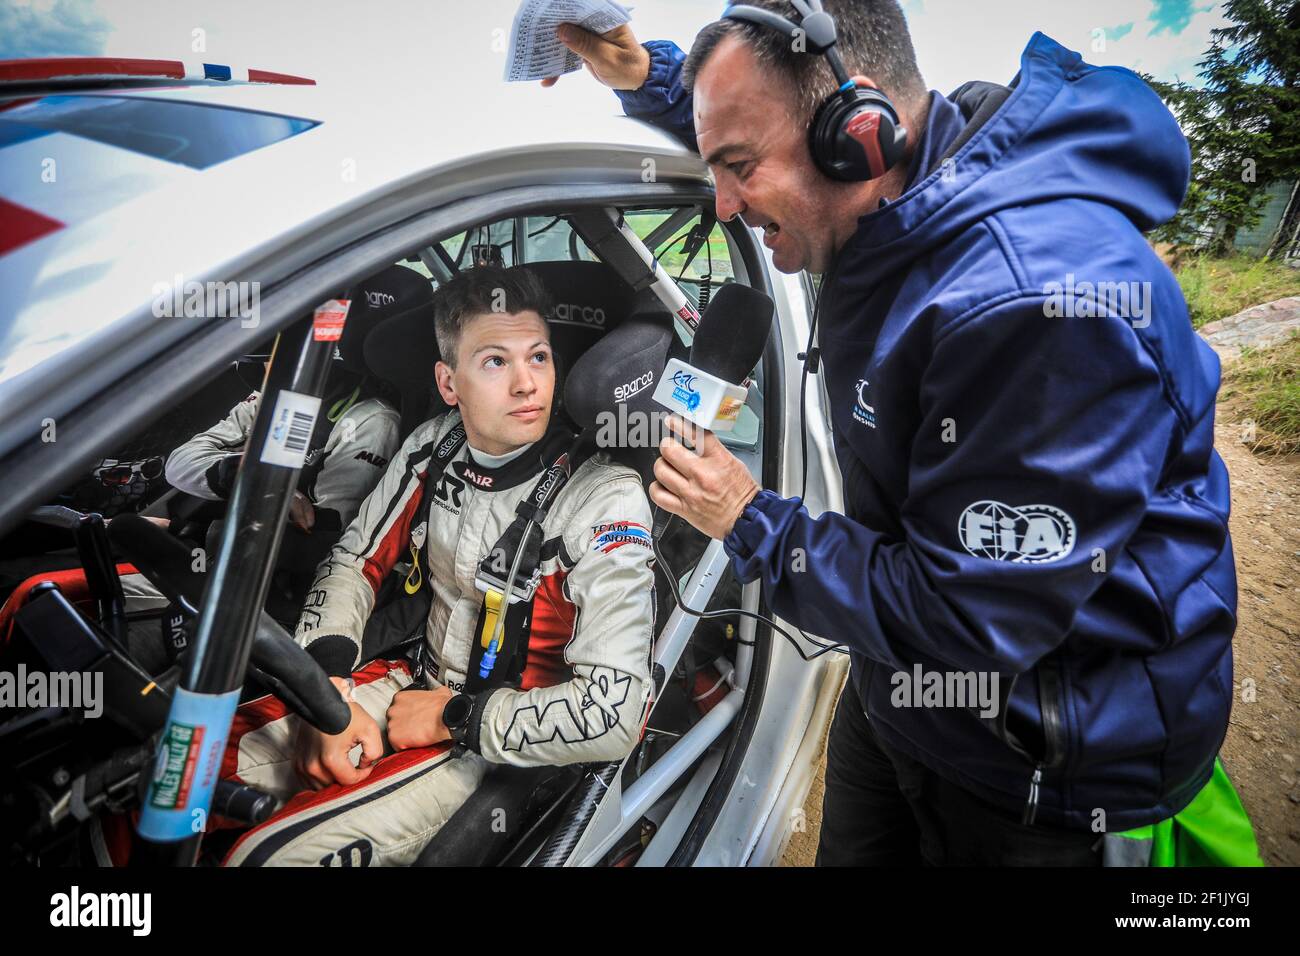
(51, 28)
(957, 40)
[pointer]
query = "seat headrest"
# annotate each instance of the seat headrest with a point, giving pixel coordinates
(392, 293)
(589, 298)
(610, 392)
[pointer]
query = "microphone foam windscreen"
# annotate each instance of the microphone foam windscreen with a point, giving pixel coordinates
(732, 332)
(621, 369)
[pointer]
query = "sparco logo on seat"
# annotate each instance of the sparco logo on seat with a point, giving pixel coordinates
(623, 392)
(579, 314)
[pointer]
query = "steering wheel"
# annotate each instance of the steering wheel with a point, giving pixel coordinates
(276, 658)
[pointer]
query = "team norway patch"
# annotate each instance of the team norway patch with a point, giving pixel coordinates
(614, 534)
(1027, 534)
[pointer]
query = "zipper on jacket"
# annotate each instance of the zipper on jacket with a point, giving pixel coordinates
(1049, 705)
(1031, 805)
(1054, 747)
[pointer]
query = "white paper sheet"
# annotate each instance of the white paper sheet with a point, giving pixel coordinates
(536, 53)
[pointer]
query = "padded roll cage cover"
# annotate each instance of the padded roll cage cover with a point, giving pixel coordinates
(602, 235)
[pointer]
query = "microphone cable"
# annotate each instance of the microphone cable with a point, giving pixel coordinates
(725, 612)
(811, 357)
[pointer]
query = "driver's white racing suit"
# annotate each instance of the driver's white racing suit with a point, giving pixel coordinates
(355, 453)
(585, 686)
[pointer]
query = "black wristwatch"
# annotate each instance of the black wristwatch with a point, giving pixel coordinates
(456, 714)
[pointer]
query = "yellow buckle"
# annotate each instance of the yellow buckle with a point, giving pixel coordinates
(492, 602)
(415, 578)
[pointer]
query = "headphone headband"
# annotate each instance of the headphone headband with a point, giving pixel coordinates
(855, 135)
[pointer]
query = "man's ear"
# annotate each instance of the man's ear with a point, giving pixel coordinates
(860, 80)
(443, 378)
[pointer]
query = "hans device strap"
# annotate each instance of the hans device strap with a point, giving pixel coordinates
(855, 134)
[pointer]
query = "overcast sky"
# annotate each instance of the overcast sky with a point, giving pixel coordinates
(425, 49)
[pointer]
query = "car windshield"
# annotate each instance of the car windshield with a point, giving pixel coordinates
(193, 134)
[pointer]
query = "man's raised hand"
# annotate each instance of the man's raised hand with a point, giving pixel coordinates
(614, 58)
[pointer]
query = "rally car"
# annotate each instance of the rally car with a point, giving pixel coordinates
(163, 220)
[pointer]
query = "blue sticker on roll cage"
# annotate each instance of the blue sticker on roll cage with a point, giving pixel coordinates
(189, 760)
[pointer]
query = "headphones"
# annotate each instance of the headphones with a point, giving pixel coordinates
(855, 134)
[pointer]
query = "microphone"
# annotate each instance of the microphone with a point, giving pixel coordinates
(710, 389)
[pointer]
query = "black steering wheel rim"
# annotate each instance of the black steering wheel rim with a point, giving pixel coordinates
(276, 658)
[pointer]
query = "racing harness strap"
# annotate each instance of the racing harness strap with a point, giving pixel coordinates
(443, 454)
(500, 654)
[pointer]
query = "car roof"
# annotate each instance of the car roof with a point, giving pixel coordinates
(107, 256)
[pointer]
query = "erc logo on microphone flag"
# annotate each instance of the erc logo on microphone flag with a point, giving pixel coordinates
(684, 390)
(1028, 534)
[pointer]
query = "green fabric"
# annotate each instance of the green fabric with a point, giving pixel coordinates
(1212, 830)
(342, 405)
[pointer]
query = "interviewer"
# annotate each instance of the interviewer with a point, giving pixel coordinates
(1029, 475)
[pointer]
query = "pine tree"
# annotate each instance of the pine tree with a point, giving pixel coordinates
(1242, 123)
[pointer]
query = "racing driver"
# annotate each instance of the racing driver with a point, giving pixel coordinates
(418, 746)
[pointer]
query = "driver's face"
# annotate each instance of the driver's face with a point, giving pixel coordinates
(504, 380)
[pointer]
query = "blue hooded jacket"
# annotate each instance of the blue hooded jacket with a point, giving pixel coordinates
(1024, 422)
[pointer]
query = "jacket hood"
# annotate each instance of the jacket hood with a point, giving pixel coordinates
(1067, 130)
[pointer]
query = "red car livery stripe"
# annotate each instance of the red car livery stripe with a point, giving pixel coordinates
(45, 68)
(20, 225)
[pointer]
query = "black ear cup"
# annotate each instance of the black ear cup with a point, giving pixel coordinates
(856, 136)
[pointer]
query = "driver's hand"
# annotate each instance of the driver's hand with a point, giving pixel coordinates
(415, 718)
(301, 512)
(615, 58)
(322, 759)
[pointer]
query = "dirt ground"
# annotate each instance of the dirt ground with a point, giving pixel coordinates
(1262, 749)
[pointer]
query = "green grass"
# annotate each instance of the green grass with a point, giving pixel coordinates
(1263, 386)
(673, 258)
(1217, 288)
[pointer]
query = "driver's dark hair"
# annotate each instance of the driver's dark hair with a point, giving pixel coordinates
(482, 290)
(873, 41)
